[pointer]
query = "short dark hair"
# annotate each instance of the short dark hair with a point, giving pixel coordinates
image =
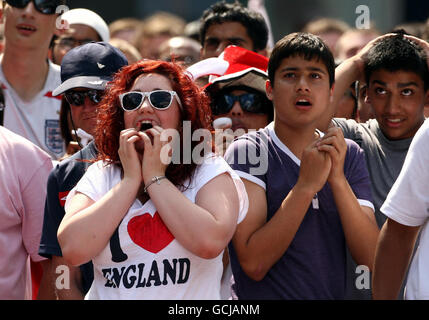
(305, 45)
(253, 21)
(397, 53)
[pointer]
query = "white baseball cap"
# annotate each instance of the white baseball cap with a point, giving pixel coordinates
(90, 19)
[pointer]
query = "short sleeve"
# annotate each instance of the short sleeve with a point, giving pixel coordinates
(408, 199)
(214, 166)
(34, 195)
(350, 129)
(95, 182)
(248, 157)
(357, 174)
(52, 218)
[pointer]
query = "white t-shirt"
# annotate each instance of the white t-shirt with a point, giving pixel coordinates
(408, 204)
(156, 265)
(37, 120)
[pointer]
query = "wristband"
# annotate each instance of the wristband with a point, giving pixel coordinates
(156, 179)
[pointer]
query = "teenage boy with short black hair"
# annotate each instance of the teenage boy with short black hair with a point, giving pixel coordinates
(395, 68)
(313, 199)
(396, 72)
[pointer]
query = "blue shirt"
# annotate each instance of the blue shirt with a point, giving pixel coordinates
(314, 265)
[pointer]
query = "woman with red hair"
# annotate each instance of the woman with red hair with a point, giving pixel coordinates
(153, 228)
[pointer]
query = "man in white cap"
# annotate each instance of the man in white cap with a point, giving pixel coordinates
(78, 26)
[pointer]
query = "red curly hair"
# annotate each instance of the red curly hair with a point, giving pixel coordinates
(110, 115)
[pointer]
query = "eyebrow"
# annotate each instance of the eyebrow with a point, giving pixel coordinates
(233, 39)
(308, 68)
(399, 85)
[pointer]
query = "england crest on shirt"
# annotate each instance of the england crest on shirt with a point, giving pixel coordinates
(53, 139)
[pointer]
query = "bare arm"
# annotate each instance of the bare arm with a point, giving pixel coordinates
(393, 253)
(206, 226)
(47, 283)
(69, 286)
(87, 225)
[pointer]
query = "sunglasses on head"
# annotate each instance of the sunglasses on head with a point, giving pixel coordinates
(158, 99)
(43, 6)
(249, 102)
(77, 98)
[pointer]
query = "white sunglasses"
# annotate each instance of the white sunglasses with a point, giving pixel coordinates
(158, 99)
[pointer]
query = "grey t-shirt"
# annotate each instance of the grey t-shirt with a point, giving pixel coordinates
(384, 157)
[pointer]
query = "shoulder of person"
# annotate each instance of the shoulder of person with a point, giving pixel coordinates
(19, 147)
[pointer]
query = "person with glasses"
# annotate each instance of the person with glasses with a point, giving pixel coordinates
(151, 226)
(81, 26)
(237, 91)
(85, 72)
(238, 102)
(28, 77)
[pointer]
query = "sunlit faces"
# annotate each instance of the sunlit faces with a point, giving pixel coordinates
(242, 119)
(27, 27)
(398, 100)
(85, 115)
(146, 116)
(301, 92)
(219, 36)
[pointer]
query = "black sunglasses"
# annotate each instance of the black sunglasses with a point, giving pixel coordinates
(43, 6)
(77, 98)
(158, 99)
(249, 102)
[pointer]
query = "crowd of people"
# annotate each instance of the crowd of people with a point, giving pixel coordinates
(161, 159)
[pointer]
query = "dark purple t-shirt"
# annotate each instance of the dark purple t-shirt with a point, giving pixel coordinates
(314, 265)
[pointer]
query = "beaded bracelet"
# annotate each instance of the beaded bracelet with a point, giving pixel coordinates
(153, 180)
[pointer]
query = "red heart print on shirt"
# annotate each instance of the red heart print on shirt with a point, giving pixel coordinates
(149, 232)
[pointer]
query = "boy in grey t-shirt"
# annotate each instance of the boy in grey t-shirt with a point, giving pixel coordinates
(395, 68)
(396, 72)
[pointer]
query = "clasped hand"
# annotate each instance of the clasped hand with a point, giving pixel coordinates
(142, 154)
(323, 160)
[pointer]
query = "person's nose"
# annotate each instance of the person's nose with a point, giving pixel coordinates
(88, 103)
(29, 10)
(146, 106)
(393, 104)
(302, 84)
(236, 109)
